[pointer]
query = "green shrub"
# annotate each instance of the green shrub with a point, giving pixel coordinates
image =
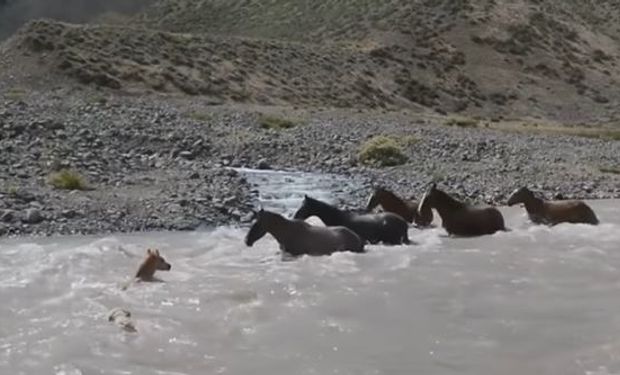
(67, 180)
(382, 151)
(275, 123)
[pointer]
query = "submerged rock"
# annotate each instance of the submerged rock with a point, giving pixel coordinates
(122, 318)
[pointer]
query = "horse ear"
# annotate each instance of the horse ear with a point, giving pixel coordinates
(148, 251)
(157, 252)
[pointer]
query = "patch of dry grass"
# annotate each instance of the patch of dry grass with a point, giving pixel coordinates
(15, 93)
(462, 122)
(66, 179)
(382, 151)
(610, 170)
(275, 123)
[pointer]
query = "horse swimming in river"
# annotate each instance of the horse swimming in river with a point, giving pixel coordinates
(462, 219)
(407, 209)
(296, 237)
(553, 212)
(152, 263)
(386, 227)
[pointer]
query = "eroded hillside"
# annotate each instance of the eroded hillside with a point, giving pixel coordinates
(550, 59)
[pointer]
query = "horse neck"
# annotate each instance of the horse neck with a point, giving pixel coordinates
(391, 200)
(147, 269)
(328, 214)
(533, 204)
(448, 204)
(278, 226)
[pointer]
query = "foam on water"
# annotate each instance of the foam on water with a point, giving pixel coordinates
(535, 300)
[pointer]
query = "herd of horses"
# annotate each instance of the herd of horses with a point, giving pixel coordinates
(350, 231)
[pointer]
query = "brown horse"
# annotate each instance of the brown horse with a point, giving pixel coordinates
(296, 237)
(551, 213)
(407, 209)
(461, 219)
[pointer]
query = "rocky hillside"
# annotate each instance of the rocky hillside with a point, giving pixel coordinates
(546, 59)
(15, 13)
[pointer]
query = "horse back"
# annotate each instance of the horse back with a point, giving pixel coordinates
(474, 221)
(350, 240)
(574, 211)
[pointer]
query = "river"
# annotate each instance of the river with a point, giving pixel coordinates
(535, 300)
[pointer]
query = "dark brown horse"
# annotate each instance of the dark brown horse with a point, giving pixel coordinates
(553, 212)
(461, 219)
(384, 227)
(297, 237)
(407, 209)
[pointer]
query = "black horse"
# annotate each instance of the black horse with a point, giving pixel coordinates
(384, 227)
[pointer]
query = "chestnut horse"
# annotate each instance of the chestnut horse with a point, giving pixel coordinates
(407, 209)
(462, 219)
(553, 212)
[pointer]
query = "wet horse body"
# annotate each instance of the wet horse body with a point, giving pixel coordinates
(407, 209)
(387, 227)
(541, 211)
(461, 219)
(297, 237)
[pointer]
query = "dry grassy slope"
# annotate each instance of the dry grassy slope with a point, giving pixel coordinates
(309, 20)
(236, 69)
(558, 57)
(554, 59)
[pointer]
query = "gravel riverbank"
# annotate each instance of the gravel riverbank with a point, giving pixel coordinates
(155, 163)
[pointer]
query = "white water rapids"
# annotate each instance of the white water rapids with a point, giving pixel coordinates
(535, 300)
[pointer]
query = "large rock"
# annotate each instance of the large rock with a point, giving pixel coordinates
(263, 164)
(33, 216)
(7, 216)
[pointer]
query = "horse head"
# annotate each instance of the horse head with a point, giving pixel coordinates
(257, 231)
(305, 210)
(520, 196)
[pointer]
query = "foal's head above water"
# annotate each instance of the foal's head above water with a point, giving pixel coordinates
(153, 262)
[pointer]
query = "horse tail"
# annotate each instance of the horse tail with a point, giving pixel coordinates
(592, 218)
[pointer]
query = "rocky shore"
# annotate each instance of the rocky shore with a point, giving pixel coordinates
(162, 163)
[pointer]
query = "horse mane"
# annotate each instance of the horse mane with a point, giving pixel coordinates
(393, 195)
(276, 216)
(449, 201)
(324, 206)
(533, 201)
(281, 224)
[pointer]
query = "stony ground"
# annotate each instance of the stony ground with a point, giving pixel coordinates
(159, 163)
